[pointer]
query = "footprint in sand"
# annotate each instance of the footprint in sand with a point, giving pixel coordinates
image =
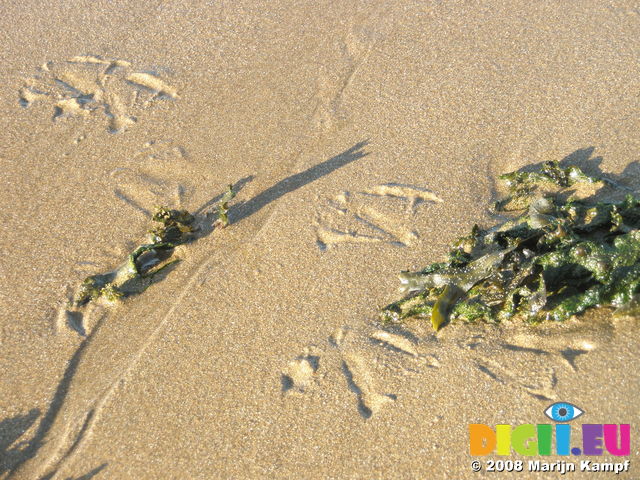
(300, 374)
(64, 316)
(361, 382)
(86, 86)
(348, 358)
(156, 180)
(536, 357)
(383, 213)
(334, 83)
(358, 359)
(162, 150)
(144, 191)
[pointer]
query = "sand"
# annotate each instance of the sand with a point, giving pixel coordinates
(363, 138)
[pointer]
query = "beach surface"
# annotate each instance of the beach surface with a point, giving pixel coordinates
(362, 138)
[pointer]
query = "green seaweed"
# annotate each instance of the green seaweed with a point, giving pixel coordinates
(149, 259)
(223, 207)
(523, 185)
(563, 254)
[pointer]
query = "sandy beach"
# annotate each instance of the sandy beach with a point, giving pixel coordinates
(361, 139)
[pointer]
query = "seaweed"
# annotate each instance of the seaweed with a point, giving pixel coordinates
(223, 207)
(562, 253)
(149, 259)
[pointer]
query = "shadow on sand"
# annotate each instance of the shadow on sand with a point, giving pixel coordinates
(28, 449)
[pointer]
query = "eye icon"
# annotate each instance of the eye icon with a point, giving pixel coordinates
(562, 412)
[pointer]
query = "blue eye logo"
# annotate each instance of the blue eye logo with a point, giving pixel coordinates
(562, 412)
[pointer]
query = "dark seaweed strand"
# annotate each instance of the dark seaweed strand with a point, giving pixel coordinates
(174, 228)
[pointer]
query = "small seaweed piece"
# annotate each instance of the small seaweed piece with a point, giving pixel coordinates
(440, 311)
(111, 293)
(92, 287)
(563, 255)
(223, 208)
(176, 226)
(149, 259)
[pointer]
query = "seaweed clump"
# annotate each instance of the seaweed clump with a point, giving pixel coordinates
(150, 259)
(563, 254)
